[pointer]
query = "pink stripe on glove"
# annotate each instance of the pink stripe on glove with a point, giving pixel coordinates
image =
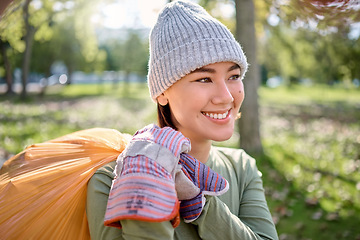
(144, 186)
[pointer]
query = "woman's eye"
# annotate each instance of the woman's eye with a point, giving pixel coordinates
(204, 80)
(235, 77)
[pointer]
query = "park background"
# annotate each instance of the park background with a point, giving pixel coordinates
(74, 64)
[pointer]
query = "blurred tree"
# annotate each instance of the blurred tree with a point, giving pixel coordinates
(312, 39)
(28, 38)
(289, 53)
(85, 41)
(4, 46)
(249, 125)
(37, 16)
(134, 55)
(113, 49)
(45, 53)
(78, 48)
(129, 55)
(22, 22)
(11, 38)
(58, 29)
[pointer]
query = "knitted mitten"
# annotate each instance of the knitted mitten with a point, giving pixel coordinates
(144, 184)
(209, 182)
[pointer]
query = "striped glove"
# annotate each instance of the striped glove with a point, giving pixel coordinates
(209, 182)
(144, 185)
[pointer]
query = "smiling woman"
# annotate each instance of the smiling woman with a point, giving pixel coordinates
(195, 74)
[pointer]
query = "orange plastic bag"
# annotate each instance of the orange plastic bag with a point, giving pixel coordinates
(43, 188)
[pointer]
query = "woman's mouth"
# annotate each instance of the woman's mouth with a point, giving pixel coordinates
(217, 115)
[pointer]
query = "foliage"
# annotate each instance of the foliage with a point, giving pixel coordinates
(313, 40)
(62, 34)
(129, 55)
(134, 54)
(11, 27)
(113, 49)
(304, 54)
(326, 13)
(307, 39)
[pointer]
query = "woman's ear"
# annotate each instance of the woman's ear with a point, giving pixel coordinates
(162, 99)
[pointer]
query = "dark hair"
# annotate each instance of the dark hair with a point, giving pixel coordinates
(164, 116)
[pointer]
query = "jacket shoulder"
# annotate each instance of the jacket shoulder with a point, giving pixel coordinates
(107, 169)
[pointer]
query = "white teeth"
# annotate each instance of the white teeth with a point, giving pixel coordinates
(217, 115)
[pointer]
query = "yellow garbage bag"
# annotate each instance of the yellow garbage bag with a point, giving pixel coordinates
(43, 188)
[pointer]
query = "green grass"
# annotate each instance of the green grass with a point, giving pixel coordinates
(309, 94)
(297, 215)
(310, 135)
(73, 108)
(134, 90)
(311, 139)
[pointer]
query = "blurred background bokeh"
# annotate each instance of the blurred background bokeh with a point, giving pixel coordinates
(67, 65)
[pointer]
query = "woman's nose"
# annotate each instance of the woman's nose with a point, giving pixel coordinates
(222, 94)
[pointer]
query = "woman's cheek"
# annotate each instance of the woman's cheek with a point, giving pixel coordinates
(238, 90)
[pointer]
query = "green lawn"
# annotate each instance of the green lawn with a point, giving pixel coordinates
(312, 142)
(311, 138)
(298, 94)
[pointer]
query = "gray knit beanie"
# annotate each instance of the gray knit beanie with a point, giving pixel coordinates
(184, 38)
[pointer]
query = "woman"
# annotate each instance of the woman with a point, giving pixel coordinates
(195, 76)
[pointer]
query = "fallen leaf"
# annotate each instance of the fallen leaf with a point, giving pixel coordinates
(317, 215)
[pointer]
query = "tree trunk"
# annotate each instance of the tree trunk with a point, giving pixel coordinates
(29, 39)
(7, 65)
(249, 124)
(70, 70)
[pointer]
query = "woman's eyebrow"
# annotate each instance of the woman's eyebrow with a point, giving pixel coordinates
(211, 70)
(235, 66)
(204, 69)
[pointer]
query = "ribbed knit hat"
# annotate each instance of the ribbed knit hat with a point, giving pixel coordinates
(184, 38)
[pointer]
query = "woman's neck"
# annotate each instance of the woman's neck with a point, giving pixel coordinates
(200, 150)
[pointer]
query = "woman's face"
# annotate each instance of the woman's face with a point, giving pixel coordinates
(204, 104)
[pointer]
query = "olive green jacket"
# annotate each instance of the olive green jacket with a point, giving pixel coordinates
(240, 213)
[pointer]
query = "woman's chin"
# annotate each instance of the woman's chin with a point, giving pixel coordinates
(222, 138)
